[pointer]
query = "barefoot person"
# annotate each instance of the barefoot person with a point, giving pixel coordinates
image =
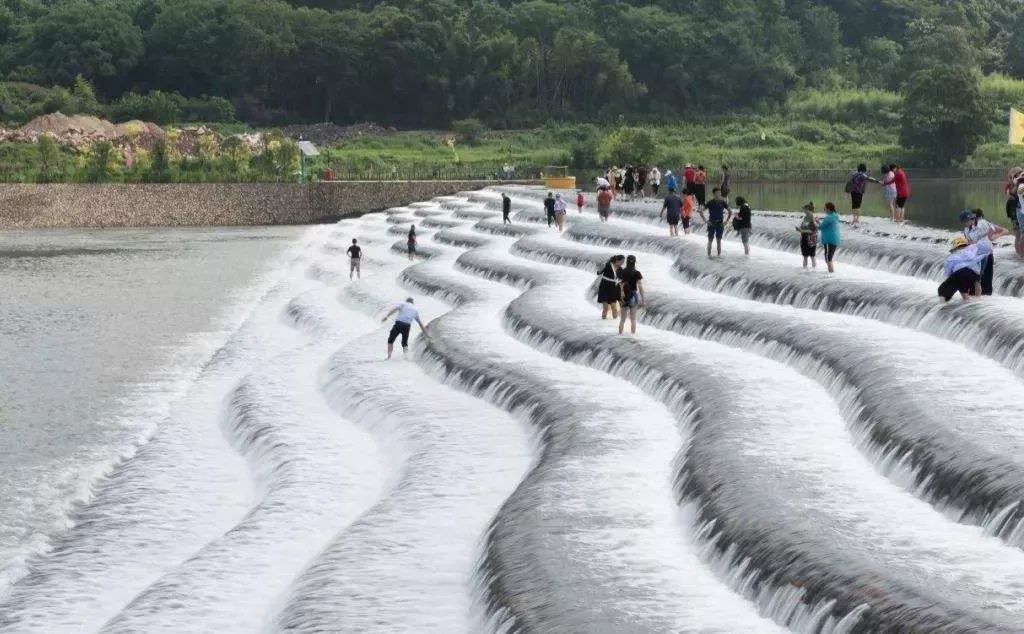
(808, 229)
(608, 291)
(689, 204)
(604, 203)
(506, 208)
(742, 223)
(549, 208)
(963, 268)
(580, 201)
(631, 282)
(715, 220)
(902, 192)
(355, 254)
(976, 229)
(830, 235)
(411, 242)
(560, 208)
(856, 185)
(407, 314)
(889, 189)
(672, 211)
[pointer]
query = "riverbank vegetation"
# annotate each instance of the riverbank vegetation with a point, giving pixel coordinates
(768, 84)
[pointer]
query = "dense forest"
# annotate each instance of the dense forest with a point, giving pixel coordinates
(424, 63)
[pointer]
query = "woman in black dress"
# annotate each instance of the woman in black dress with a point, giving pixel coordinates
(629, 183)
(608, 292)
(412, 242)
(632, 285)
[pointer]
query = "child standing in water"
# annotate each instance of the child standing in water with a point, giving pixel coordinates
(808, 229)
(689, 202)
(742, 223)
(632, 293)
(830, 235)
(560, 207)
(580, 201)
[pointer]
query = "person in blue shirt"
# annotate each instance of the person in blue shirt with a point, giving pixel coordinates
(671, 180)
(715, 220)
(963, 267)
(829, 227)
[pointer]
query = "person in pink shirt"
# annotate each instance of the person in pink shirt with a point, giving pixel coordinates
(902, 192)
(580, 201)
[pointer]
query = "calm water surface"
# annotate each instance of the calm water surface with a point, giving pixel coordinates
(95, 329)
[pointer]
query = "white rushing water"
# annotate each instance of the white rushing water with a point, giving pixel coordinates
(776, 449)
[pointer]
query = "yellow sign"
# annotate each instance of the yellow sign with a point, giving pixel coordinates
(1016, 127)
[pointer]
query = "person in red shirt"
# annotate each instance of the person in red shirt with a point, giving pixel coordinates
(902, 193)
(580, 201)
(689, 177)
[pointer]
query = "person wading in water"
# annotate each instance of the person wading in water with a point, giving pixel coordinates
(672, 211)
(506, 208)
(407, 314)
(355, 254)
(631, 282)
(608, 291)
(411, 242)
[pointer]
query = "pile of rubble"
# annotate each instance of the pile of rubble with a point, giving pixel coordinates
(332, 134)
(78, 132)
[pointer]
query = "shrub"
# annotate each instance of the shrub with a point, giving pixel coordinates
(156, 106)
(52, 163)
(212, 109)
(101, 162)
(848, 106)
(628, 145)
(1001, 93)
(469, 130)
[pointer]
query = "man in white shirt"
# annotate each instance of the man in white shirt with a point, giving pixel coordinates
(407, 314)
(655, 178)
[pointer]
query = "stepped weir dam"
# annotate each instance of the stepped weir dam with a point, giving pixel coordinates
(225, 448)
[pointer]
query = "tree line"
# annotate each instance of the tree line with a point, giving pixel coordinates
(425, 63)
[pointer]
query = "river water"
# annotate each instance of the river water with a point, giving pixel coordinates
(198, 430)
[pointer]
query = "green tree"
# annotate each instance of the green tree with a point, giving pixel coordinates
(944, 116)
(160, 165)
(94, 40)
(102, 162)
(51, 160)
(83, 97)
(629, 145)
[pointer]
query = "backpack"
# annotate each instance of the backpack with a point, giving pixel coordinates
(849, 183)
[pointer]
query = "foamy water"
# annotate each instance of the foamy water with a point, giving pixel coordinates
(776, 449)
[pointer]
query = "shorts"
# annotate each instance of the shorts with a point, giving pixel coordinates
(632, 301)
(673, 220)
(830, 251)
(686, 222)
(962, 282)
(412, 249)
(604, 210)
(654, 188)
(889, 193)
(856, 199)
(716, 229)
(745, 235)
(807, 248)
(400, 328)
(901, 201)
(354, 266)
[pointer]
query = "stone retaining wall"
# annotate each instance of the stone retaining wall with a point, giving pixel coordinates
(207, 204)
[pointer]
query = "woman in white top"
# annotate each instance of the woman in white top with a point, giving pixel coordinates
(889, 190)
(976, 229)
(560, 212)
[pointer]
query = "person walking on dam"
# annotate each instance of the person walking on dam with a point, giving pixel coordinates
(355, 254)
(604, 203)
(506, 208)
(715, 220)
(608, 292)
(631, 281)
(407, 313)
(808, 229)
(830, 239)
(549, 208)
(672, 212)
(411, 242)
(856, 185)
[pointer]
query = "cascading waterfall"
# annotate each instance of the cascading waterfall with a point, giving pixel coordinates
(774, 450)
